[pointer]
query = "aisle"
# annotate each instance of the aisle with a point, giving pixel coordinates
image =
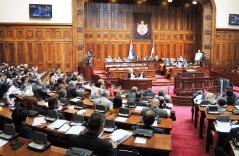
(184, 139)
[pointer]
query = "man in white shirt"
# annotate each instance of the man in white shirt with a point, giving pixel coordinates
(103, 100)
(198, 57)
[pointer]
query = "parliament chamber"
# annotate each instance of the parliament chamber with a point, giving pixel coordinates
(148, 44)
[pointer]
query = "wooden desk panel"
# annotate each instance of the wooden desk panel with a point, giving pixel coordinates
(123, 74)
(25, 151)
(142, 84)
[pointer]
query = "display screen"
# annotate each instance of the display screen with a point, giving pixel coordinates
(40, 11)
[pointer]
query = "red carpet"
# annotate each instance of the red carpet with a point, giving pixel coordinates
(184, 139)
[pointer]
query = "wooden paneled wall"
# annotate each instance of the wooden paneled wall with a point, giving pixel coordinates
(108, 30)
(42, 46)
(226, 48)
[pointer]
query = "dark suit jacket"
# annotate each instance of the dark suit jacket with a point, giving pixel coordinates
(91, 142)
(158, 111)
(155, 129)
(68, 79)
(140, 103)
(139, 75)
(24, 131)
(56, 87)
(129, 75)
(130, 96)
(39, 92)
(72, 93)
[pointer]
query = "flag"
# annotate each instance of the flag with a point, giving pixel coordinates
(131, 51)
(152, 50)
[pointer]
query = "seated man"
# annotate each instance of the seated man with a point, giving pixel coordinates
(131, 74)
(103, 100)
(69, 78)
(167, 61)
(138, 100)
(149, 93)
(148, 58)
(108, 59)
(118, 59)
(156, 58)
(137, 59)
(90, 140)
(96, 90)
(19, 116)
(163, 93)
(131, 96)
(142, 74)
(148, 120)
(39, 90)
(57, 86)
(71, 90)
(160, 113)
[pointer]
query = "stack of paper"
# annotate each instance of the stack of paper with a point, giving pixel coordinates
(81, 111)
(64, 128)
(2, 142)
(223, 126)
(121, 119)
(57, 124)
(120, 135)
(139, 108)
(39, 121)
(75, 130)
(140, 140)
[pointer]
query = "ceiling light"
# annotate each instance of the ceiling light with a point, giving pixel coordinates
(194, 2)
(170, 0)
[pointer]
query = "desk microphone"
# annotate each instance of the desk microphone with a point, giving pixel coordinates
(108, 114)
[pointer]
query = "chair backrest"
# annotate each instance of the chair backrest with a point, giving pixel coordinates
(77, 118)
(100, 108)
(124, 110)
(131, 104)
(52, 114)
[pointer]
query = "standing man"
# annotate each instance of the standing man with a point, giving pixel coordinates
(198, 57)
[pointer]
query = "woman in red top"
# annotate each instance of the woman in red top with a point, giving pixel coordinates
(108, 87)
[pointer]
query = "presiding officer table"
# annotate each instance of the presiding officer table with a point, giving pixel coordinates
(141, 83)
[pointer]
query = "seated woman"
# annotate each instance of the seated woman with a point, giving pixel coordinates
(131, 74)
(108, 87)
(31, 104)
(19, 116)
(79, 82)
(117, 103)
(53, 104)
(211, 98)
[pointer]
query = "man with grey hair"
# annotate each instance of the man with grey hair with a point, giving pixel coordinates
(131, 96)
(103, 100)
(71, 90)
(163, 93)
(148, 93)
(39, 90)
(161, 113)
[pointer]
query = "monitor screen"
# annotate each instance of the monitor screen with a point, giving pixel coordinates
(40, 10)
(234, 19)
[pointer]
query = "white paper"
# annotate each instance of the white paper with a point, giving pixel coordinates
(140, 140)
(155, 123)
(60, 108)
(75, 100)
(2, 142)
(237, 107)
(71, 107)
(124, 101)
(139, 108)
(81, 111)
(120, 135)
(64, 128)
(45, 104)
(75, 130)
(170, 105)
(39, 121)
(57, 124)
(223, 126)
(121, 119)
(168, 110)
(123, 96)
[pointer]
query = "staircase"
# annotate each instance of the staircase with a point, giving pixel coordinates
(161, 81)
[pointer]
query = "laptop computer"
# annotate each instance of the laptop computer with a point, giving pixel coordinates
(79, 105)
(39, 141)
(213, 110)
(124, 112)
(52, 116)
(109, 125)
(77, 120)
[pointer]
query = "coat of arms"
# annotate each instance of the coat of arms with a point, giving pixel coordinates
(142, 28)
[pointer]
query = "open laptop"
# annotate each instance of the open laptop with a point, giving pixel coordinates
(39, 141)
(109, 125)
(213, 110)
(52, 116)
(77, 120)
(124, 112)
(79, 105)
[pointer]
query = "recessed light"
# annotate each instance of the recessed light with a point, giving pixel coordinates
(194, 2)
(170, 0)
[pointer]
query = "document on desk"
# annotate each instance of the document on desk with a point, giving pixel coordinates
(45, 104)
(75, 100)
(81, 111)
(64, 128)
(57, 124)
(223, 126)
(71, 107)
(39, 121)
(124, 101)
(120, 119)
(155, 123)
(2, 142)
(120, 135)
(140, 140)
(237, 107)
(75, 130)
(139, 108)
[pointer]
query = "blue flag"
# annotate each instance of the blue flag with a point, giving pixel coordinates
(131, 51)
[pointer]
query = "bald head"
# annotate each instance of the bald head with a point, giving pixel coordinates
(149, 117)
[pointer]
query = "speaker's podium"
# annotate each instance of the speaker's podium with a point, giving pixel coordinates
(86, 71)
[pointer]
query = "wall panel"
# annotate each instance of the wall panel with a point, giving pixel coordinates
(42, 46)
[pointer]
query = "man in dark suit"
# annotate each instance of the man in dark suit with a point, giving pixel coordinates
(69, 78)
(19, 116)
(131, 96)
(160, 113)
(89, 140)
(148, 120)
(57, 86)
(39, 90)
(131, 74)
(138, 99)
(142, 74)
(71, 90)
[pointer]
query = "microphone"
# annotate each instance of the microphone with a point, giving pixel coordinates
(108, 114)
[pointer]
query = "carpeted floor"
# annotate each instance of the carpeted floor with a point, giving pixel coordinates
(184, 139)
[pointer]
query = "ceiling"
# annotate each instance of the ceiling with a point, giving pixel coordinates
(144, 2)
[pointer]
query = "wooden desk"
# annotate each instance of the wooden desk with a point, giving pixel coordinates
(24, 150)
(142, 84)
(123, 74)
(210, 118)
(158, 144)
